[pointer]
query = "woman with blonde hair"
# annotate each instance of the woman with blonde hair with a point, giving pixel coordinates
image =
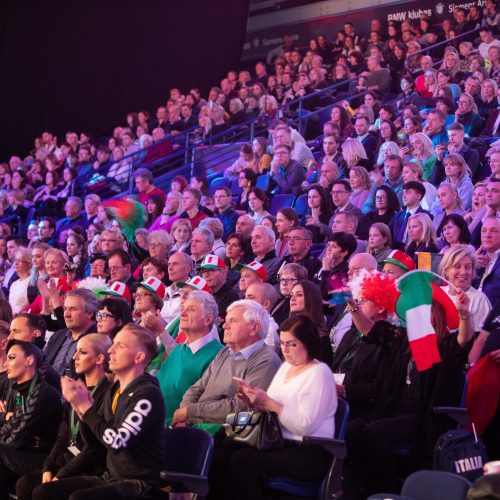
(379, 242)
(431, 82)
(386, 149)
(459, 267)
(360, 182)
(451, 62)
(412, 171)
(423, 152)
(421, 235)
(181, 232)
(367, 112)
(478, 201)
(489, 91)
(449, 202)
(457, 174)
(18, 296)
(353, 152)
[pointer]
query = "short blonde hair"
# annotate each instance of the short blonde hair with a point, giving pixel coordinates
(56, 253)
(454, 255)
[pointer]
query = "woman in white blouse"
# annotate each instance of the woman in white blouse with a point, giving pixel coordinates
(303, 395)
(18, 297)
(459, 267)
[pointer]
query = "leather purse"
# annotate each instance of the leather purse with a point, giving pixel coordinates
(258, 429)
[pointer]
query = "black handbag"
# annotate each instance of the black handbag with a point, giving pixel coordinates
(258, 429)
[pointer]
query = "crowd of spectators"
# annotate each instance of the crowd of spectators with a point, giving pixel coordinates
(219, 303)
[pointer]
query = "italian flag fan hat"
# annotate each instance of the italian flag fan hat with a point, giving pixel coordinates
(418, 291)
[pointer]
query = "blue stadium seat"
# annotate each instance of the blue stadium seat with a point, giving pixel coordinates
(279, 201)
(263, 182)
(217, 183)
(235, 188)
(430, 485)
(332, 482)
(301, 205)
(188, 460)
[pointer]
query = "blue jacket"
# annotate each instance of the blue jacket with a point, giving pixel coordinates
(228, 219)
(399, 222)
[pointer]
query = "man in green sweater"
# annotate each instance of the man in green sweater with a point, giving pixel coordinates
(189, 360)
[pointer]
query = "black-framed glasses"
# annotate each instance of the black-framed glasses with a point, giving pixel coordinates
(103, 316)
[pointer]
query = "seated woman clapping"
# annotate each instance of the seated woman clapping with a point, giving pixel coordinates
(302, 394)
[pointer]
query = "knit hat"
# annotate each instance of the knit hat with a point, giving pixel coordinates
(155, 285)
(197, 282)
(256, 267)
(118, 289)
(212, 262)
(399, 258)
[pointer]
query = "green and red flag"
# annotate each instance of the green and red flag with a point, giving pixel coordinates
(414, 306)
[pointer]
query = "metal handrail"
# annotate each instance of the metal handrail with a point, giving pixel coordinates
(185, 153)
(444, 42)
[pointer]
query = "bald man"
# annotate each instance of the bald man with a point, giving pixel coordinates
(343, 321)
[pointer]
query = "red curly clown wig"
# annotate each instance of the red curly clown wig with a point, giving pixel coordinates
(380, 289)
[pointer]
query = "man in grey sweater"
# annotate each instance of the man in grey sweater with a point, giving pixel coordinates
(245, 356)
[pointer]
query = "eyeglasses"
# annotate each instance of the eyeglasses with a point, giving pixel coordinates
(116, 268)
(154, 245)
(381, 197)
(109, 240)
(103, 316)
(141, 295)
(339, 192)
(287, 280)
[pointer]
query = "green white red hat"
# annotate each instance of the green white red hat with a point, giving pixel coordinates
(155, 285)
(197, 282)
(401, 259)
(256, 267)
(212, 262)
(118, 289)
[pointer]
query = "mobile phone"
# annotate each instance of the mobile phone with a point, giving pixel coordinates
(444, 144)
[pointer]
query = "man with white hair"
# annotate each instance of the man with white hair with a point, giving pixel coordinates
(189, 360)
(262, 242)
(245, 356)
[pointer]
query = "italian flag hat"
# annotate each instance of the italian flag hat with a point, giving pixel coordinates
(212, 262)
(196, 282)
(155, 285)
(254, 266)
(118, 289)
(418, 291)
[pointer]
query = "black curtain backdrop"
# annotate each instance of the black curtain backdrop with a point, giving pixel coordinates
(82, 65)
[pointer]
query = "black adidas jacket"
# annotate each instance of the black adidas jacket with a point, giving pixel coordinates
(133, 436)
